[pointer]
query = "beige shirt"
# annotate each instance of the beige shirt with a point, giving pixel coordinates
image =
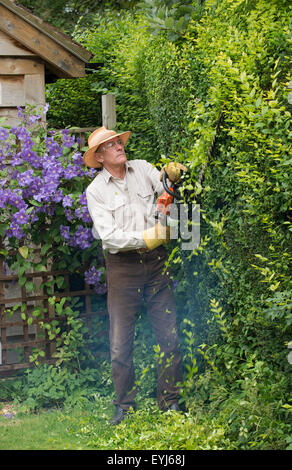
(122, 209)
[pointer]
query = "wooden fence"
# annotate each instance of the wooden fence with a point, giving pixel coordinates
(20, 332)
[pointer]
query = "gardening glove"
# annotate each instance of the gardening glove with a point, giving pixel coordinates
(156, 235)
(173, 171)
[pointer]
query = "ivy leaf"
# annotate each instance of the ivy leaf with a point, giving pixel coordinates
(23, 250)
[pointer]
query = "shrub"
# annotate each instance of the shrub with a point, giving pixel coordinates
(43, 203)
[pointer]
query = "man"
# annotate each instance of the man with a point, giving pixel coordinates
(121, 204)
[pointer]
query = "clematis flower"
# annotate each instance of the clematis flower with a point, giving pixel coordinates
(25, 178)
(15, 231)
(83, 214)
(67, 201)
(3, 133)
(70, 172)
(92, 276)
(20, 217)
(64, 230)
(39, 178)
(16, 160)
(46, 108)
(82, 238)
(34, 117)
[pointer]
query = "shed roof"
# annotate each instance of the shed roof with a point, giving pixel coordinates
(64, 57)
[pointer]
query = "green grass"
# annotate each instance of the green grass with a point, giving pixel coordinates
(88, 428)
(46, 430)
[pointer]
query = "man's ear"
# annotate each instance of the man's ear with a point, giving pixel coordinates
(98, 157)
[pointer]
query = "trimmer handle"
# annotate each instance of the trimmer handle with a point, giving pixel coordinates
(172, 190)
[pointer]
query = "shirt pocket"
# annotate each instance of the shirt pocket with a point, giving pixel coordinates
(146, 199)
(119, 210)
(145, 196)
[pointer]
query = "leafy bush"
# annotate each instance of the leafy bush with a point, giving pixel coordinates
(73, 103)
(43, 203)
(235, 60)
(50, 386)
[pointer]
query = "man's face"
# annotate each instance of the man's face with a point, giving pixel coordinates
(112, 154)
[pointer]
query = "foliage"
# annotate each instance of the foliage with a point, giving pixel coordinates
(66, 14)
(171, 16)
(50, 386)
(73, 103)
(234, 292)
(235, 60)
(44, 205)
(150, 429)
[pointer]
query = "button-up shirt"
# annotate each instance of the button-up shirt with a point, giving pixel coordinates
(122, 209)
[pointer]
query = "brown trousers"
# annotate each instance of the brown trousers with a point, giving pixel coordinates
(132, 278)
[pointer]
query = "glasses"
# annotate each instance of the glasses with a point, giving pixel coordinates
(112, 144)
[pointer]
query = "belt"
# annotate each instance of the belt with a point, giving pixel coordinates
(138, 251)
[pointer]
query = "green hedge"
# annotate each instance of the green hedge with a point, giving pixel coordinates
(235, 291)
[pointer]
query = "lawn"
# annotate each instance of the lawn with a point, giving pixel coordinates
(46, 430)
(87, 428)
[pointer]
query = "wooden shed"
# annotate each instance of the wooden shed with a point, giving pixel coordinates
(32, 53)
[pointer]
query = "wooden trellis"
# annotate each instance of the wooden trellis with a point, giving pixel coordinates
(18, 335)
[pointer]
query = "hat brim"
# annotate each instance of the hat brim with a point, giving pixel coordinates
(89, 157)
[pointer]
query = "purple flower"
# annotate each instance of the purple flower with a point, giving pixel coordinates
(83, 237)
(68, 141)
(92, 276)
(14, 231)
(3, 198)
(34, 187)
(67, 201)
(45, 193)
(20, 217)
(77, 157)
(34, 117)
(57, 196)
(101, 289)
(22, 133)
(53, 147)
(52, 169)
(64, 230)
(3, 133)
(46, 108)
(19, 111)
(31, 157)
(90, 173)
(14, 198)
(68, 215)
(16, 160)
(82, 199)
(83, 214)
(70, 172)
(25, 178)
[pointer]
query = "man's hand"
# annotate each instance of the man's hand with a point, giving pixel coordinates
(156, 235)
(173, 171)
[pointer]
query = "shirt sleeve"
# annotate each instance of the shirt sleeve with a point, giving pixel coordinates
(154, 176)
(104, 227)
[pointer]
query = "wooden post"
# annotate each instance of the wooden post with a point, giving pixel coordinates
(108, 104)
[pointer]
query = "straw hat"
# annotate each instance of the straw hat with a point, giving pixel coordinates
(98, 137)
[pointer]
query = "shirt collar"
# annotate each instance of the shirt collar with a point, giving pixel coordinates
(107, 176)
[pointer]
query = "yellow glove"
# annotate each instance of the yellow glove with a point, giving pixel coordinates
(173, 170)
(156, 235)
